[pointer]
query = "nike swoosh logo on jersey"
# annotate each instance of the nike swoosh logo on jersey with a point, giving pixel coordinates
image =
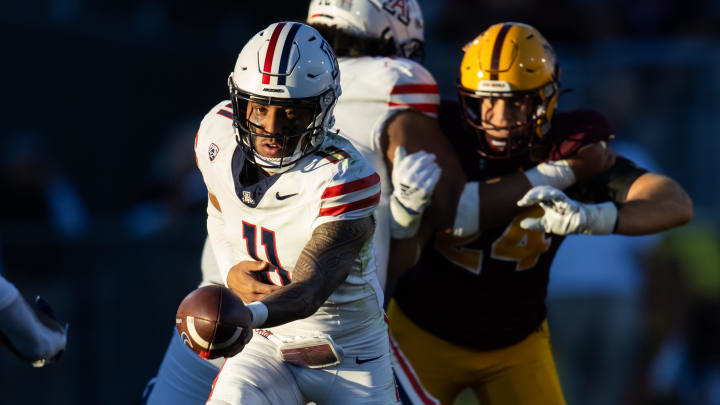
(361, 361)
(282, 197)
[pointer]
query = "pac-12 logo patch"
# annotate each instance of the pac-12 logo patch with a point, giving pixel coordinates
(213, 151)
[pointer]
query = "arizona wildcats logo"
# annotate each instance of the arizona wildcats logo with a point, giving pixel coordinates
(247, 197)
(398, 8)
(213, 151)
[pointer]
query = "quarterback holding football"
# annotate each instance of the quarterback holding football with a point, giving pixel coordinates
(290, 221)
(389, 103)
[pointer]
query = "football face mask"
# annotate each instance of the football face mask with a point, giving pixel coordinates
(504, 124)
(275, 133)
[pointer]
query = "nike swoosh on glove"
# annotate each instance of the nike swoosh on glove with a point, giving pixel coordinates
(414, 178)
(565, 216)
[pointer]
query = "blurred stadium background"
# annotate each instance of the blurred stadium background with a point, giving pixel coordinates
(103, 210)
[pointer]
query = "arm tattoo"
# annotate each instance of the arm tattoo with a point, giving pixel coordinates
(323, 265)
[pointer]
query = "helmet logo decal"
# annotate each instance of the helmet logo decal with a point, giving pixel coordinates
(213, 151)
(277, 56)
(497, 50)
(331, 55)
(400, 7)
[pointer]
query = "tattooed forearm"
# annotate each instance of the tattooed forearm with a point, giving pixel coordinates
(323, 265)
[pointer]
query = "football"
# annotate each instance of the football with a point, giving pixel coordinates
(214, 322)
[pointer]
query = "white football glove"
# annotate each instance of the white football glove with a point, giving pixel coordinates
(414, 178)
(564, 216)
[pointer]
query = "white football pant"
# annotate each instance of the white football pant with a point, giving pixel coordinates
(256, 376)
(184, 378)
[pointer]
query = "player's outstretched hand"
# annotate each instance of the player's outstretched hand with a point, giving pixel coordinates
(243, 282)
(591, 160)
(57, 338)
(563, 215)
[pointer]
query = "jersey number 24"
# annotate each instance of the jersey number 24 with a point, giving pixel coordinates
(522, 246)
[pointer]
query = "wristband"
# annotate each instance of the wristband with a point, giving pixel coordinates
(601, 218)
(404, 222)
(556, 173)
(259, 314)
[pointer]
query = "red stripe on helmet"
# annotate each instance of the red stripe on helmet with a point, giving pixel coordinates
(270, 54)
(497, 50)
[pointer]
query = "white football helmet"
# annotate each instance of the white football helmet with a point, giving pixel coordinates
(288, 64)
(399, 21)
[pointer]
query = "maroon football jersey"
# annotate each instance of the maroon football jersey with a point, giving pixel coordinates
(488, 291)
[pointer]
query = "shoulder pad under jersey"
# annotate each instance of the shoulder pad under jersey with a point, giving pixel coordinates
(215, 135)
(400, 82)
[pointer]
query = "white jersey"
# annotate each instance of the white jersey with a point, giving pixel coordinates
(273, 219)
(373, 90)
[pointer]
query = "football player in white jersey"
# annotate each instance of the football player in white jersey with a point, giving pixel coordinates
(33, 335)
(388, 100)
(290, 211)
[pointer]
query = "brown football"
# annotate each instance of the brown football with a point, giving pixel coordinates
(214, 322)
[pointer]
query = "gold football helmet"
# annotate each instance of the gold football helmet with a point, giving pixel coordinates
(512, 61)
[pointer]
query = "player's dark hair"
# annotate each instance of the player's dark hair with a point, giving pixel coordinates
(347, 44)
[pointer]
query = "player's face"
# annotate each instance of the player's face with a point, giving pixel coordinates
(501, 117)
(279, 124)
